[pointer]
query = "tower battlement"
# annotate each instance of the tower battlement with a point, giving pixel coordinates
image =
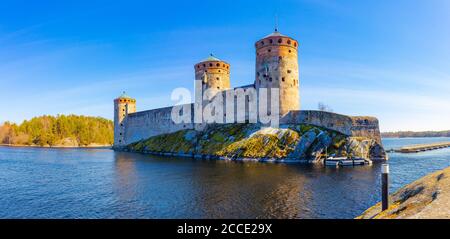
(277, 67)
(213, 73)
(123, 106)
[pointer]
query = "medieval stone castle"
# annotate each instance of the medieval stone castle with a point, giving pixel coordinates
(276, 67)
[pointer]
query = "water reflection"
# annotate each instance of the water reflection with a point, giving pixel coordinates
(100, 183)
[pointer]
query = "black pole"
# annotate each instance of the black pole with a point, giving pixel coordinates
(384, 187)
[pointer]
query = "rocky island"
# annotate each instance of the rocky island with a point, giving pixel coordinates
(297, 143)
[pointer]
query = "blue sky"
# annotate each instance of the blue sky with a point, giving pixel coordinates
(389, 59)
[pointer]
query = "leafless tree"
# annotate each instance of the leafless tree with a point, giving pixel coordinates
(323, 107)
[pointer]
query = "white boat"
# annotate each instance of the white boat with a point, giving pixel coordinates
(344, 161)
(334, 161)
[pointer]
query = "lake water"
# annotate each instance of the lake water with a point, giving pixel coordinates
(101, 183)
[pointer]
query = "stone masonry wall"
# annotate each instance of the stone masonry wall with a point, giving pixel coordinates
(365, 126)
(355, 126)
(145, 124)
(333, 121)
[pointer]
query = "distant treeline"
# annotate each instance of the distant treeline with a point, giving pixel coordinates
(408, 134)
(51, 131)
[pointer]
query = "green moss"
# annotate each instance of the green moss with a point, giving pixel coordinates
(169, 143)
(234, 141)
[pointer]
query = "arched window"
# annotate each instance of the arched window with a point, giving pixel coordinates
(218, 64)
(210, 64)
(289, 42)
(280, 41)
(271, 41)
(289, 71)
(283, 79)
(295, 44)
(217, 78)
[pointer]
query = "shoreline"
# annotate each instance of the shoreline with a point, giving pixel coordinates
(221, 158)
(57, 147)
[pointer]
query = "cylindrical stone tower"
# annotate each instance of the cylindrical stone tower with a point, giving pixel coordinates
(214, 74)
(277, 67)
(123, 106)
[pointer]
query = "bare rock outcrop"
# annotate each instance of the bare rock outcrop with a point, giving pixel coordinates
(426, 198)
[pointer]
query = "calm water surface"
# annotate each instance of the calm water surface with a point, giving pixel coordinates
(100, 183)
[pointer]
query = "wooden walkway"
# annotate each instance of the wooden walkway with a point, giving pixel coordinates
(422, 147)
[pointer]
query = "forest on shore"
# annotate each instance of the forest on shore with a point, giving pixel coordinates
(60, 130)
(411, 134)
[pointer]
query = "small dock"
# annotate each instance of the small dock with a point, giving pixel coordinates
(422, 147)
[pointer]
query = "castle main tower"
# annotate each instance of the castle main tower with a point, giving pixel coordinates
(277, 67)
(123, 106)
(213, 73)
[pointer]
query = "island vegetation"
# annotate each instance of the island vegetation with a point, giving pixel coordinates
(300, 142)
(59, 131)
(411, 134)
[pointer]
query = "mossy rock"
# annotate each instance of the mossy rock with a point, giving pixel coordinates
(235, 141)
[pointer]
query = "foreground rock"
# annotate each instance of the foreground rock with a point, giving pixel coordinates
(426, 198)
(250, 141)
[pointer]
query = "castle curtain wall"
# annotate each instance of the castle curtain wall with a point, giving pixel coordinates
(145, 124)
